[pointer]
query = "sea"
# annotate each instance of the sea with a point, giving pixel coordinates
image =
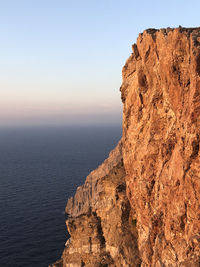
(40, 168)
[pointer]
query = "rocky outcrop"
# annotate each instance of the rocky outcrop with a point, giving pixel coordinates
(161, 134)
(141, 207)
(87, 195)
(100, 224)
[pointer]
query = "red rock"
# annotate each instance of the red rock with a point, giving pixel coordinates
(161, 134)
(160, 164)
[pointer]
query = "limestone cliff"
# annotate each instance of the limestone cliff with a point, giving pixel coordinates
(99, 214)
(159, 170)
(161, 95)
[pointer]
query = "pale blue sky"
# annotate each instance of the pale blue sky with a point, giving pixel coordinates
(61, 61)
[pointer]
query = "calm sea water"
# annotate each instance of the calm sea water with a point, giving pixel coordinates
(40, 169)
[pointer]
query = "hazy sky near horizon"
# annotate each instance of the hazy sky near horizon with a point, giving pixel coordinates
(61, 60)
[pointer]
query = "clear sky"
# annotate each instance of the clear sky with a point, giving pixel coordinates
(61, 61)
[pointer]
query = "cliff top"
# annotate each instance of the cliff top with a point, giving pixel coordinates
(168, 29)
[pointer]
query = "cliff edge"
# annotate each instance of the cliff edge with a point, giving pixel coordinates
(142, 206)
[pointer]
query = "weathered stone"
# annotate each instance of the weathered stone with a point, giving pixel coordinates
(161, 120)
(99, 222)
(158, 169)
(87, 195)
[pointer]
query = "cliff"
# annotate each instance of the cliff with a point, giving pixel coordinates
(141, 207)
(98, 223)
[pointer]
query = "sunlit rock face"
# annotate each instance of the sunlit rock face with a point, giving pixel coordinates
(141, 207)
(161, 134)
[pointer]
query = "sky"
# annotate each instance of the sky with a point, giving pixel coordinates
(61, 61)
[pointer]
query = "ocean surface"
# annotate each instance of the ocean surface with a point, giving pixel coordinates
(40, 168)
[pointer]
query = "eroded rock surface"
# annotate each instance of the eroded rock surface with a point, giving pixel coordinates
(87, 195)
(161, 134)
(100, 224)
(158, 170)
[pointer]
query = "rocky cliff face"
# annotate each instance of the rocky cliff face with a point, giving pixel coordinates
(161, 131)
(159, 170)
(100, 222)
